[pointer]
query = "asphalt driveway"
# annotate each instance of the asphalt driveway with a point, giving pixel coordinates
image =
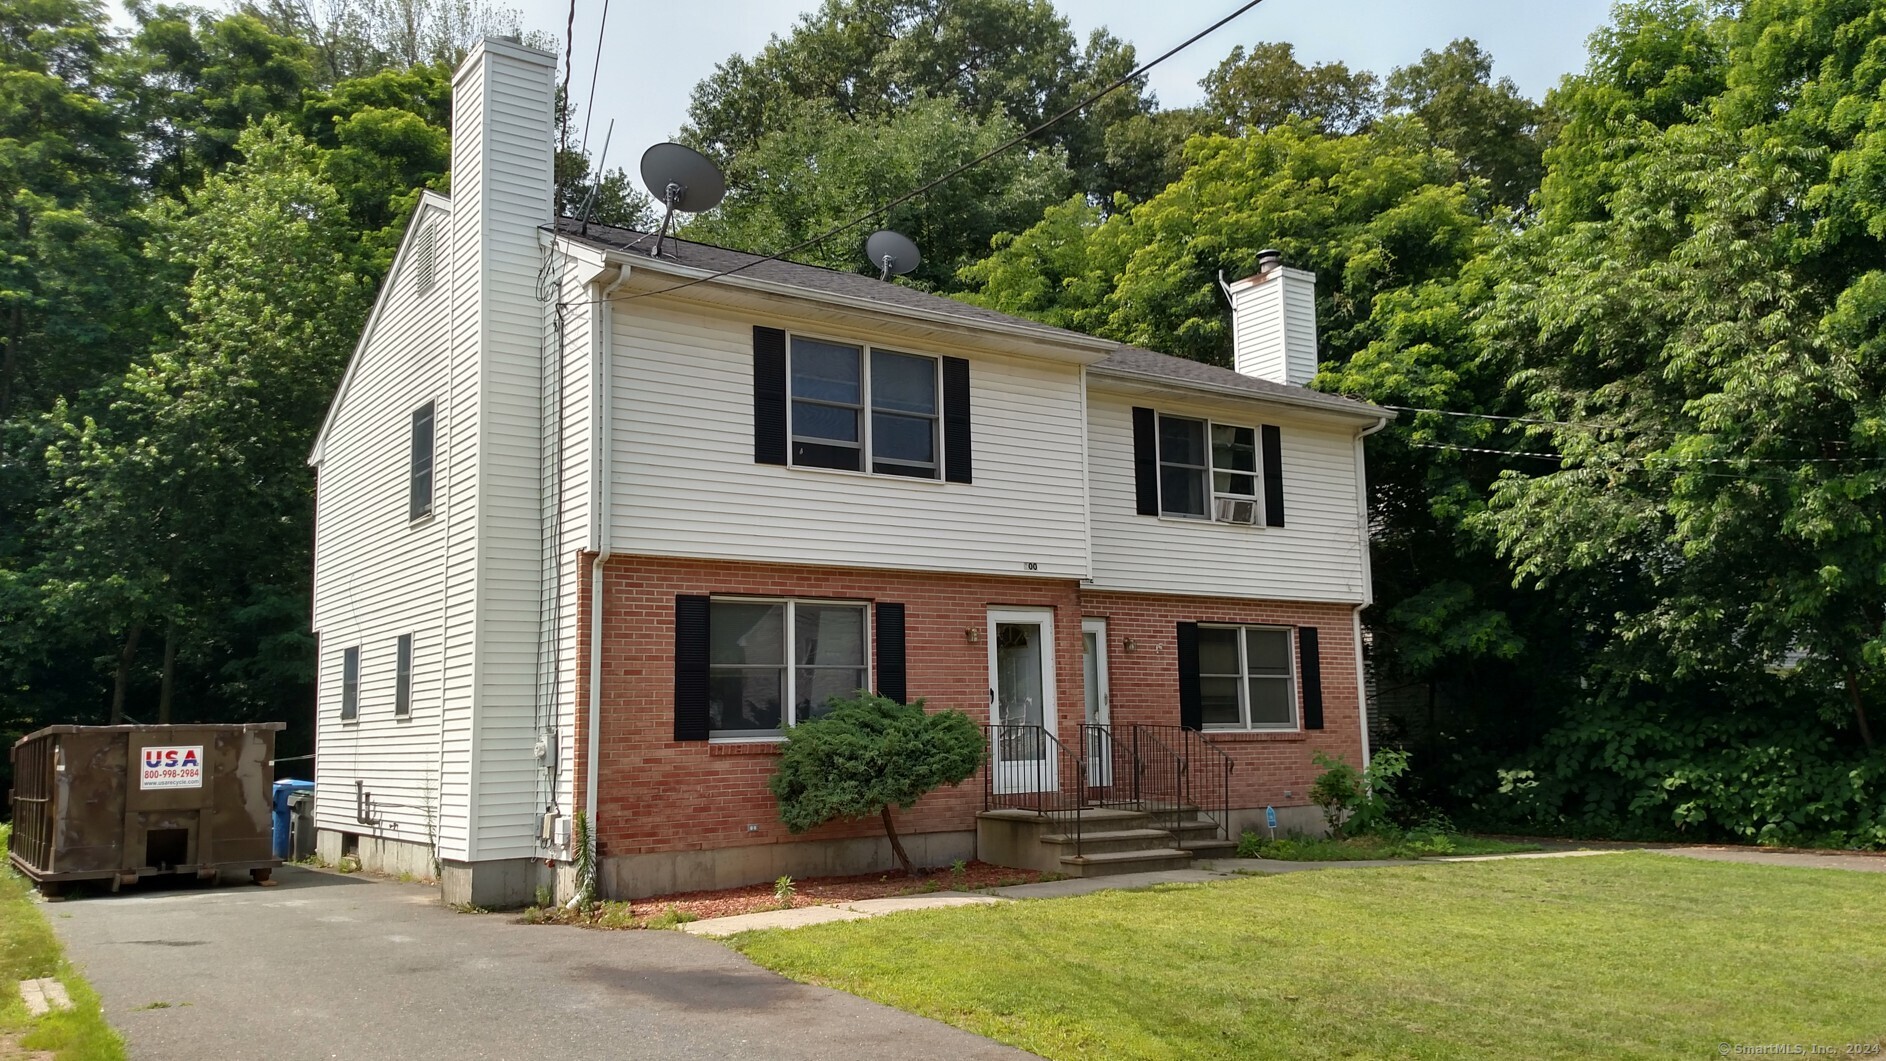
(325, 966)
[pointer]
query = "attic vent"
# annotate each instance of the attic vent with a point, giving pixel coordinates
(426, 259)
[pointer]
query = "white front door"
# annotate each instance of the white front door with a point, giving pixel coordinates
(1021, 698)
(1099, 741)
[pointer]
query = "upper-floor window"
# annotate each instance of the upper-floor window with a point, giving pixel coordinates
(1201, 462)
(419, 498)
(855, 408)
(1245, 679)
(821, 403)
(772, 663)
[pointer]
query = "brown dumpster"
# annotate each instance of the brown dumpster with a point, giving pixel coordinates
(121, 802)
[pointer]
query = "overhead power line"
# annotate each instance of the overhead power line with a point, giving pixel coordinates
(999, 149)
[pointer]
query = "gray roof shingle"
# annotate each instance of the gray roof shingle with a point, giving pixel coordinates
(1125, 361)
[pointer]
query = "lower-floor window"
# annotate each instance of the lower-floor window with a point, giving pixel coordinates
(1244, 678)
(772, 663)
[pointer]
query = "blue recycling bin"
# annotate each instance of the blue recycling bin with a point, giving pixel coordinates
(283, 790)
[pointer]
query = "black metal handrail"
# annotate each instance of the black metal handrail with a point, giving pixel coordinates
(1204, 771)
(1053, 780)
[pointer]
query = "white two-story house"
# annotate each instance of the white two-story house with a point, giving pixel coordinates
(595, 527)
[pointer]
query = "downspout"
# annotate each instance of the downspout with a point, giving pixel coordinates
(1368, 581)
(602, 466)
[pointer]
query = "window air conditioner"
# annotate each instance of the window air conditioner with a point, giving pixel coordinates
(1234, 510)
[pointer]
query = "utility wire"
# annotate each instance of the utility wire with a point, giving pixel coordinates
(999, 149)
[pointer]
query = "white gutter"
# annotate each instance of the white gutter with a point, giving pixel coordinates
(1368, 580)
(602, 466)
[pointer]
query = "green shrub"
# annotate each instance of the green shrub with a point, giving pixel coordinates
(1358, 803)
(867, 755)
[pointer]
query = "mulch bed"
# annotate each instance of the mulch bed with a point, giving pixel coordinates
(813, 891)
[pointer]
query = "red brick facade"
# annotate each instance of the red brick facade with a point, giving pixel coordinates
(660, 795)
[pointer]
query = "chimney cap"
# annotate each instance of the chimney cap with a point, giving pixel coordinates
(1269, 258)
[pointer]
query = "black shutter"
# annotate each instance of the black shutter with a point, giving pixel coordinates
(769, 396)
(1310, 667)
(1273, 477)
(691, 668)
(890, 639)
(1191, 704)
(1146, 460)
(419, 500)
(956, 457)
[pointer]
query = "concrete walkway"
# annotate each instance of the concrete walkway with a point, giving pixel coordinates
(327, 966)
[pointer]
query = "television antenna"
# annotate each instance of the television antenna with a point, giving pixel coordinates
(892, 253)
(683, 179)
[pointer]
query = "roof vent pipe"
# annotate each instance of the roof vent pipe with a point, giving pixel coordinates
(1269, 258)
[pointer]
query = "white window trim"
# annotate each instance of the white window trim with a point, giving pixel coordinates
(1211, 479)
(866, 456)
(788, 694)
(1245, 725)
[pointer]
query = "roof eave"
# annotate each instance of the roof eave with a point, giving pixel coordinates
(1348, 407)
(1088, 349)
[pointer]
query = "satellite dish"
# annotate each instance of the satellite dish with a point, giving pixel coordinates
(683, 179)
(892, 253)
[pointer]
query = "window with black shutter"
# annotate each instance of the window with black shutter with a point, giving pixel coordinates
(1234, 677)
(820, 403)
(419, 498)
(752, 667)
(1193, 468)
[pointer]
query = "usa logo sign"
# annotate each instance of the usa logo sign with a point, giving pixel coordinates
(172, 766)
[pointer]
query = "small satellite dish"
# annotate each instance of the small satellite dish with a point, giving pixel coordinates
(892, 253)
(683, 179)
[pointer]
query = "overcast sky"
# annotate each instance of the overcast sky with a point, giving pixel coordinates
(653, 53)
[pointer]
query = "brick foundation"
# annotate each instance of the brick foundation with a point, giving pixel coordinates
(657, 795)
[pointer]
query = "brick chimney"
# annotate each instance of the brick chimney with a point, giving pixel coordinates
(1273, 322)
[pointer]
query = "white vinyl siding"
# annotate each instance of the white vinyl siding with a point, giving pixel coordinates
(379, 575)
(1316, 556)
(687, 484)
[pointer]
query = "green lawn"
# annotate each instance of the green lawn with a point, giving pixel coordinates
(1625, 955)
(29, 950)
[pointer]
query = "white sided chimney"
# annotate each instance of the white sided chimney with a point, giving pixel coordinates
(1273, 322)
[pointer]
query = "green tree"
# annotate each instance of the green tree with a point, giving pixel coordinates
(196, 79)
(1369, 214)
(66, 242)
(869, 754)
(998, 61)
(1694, 321)
(184, 503)
(818, 169)
(1267, 87)
(1490, 127)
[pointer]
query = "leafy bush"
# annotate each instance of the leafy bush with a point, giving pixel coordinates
(1358, 803)
(867, 755)
(1749, 775)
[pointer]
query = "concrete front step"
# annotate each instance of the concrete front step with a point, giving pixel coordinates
(1209, 848)
(1108, 863)
(1097, 842)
